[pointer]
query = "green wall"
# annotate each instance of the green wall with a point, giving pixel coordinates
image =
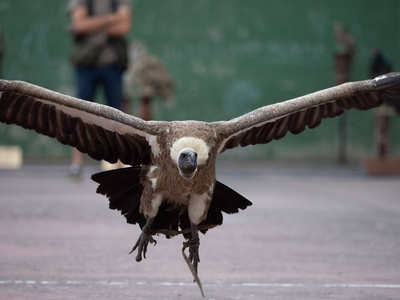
(227, 57)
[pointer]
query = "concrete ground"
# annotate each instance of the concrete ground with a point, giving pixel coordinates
(314, 231)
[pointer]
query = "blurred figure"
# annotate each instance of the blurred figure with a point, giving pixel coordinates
(345, 51)
(379, 65)
(99, 53)
(1, 51)
(150, 77)
(384, 113)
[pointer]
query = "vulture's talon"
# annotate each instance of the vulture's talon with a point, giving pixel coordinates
(193, 244)
(141, 244)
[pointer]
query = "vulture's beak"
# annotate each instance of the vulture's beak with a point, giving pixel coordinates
(187, 163)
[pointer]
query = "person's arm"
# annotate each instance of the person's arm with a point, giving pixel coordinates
(85, 24)
(122, 25)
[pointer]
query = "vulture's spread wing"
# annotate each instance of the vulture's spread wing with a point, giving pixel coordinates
(272, 122)
(98, 130)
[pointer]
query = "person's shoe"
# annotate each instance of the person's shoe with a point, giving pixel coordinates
(75, 172)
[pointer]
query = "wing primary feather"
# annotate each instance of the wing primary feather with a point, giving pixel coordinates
(32, 119)
(12, 101)
(80, 137)
(365, 101)
(344, 104)
(124, 150)
(281, 130)
(323, 111)
(52, 121)
(276, 128)
(65, 127)
(296, 122)
(108, 141)
(93, 148)
(313, 117)
(373, 99)
(264, 132)
(140, 149)
(102, 144)
(67, 119)
(306, 111)
(334, 110)
(22, 114)
(43, 126)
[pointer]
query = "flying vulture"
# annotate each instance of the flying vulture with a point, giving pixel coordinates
(171, 187)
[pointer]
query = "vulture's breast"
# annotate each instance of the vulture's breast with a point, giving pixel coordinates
(167, 180)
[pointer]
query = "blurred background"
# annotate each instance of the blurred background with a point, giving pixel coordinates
(225, 57)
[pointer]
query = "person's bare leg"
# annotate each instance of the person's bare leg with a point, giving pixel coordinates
(75, 170)
(145, 107)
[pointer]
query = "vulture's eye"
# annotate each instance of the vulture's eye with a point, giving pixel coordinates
(183, 155)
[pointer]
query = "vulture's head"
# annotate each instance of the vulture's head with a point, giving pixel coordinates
(187, 163)
(188, 153)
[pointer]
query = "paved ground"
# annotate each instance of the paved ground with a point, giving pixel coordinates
(314, 232)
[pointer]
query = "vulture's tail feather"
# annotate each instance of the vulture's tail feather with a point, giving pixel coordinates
(228, 200)
(113, 181)
(123, 189)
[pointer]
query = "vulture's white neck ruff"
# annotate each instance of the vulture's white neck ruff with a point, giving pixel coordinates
(196, 144)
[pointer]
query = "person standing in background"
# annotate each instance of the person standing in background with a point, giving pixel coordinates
(1, 51)
(99, 53)
(345, 51)
(385, 112)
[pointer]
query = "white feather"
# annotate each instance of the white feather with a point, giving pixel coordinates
(153, 183)
(155, 147)
(152, 168)
(198, 145)
(155, 204)
(197, 207)
(152, 179)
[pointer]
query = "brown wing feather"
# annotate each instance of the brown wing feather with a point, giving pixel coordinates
(273, 122)
(100, 131)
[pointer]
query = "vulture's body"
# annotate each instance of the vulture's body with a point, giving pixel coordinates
(172, 187)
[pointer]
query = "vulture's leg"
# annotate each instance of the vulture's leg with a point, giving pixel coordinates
(194, 243)
(197, 210)
(144, 239)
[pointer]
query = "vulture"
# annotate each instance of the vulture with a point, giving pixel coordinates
(171, 186)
